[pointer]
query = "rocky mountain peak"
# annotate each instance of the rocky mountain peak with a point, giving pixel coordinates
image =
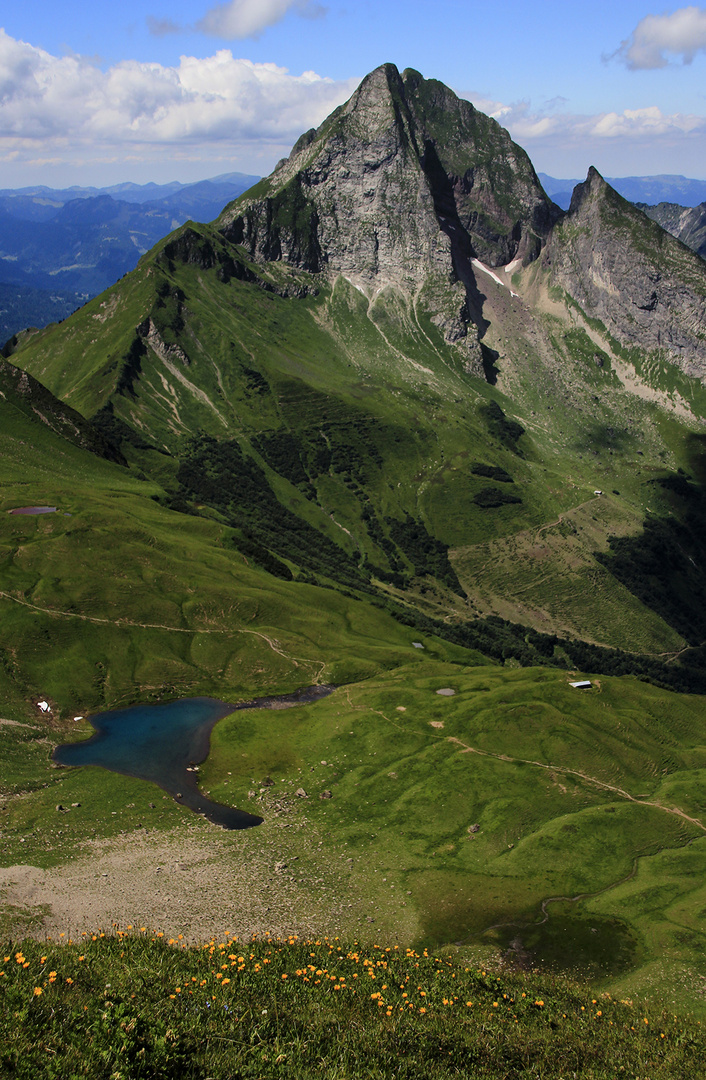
(593, 185)
(620, 267)
(403, 155)
(404, 185)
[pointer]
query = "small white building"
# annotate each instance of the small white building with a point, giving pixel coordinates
(582, 684)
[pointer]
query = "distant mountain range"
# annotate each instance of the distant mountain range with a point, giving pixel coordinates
(60, 247)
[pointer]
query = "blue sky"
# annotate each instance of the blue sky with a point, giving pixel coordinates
(188, 89)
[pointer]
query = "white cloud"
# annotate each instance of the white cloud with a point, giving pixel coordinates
(248, 18)
(526, 124)
(645, 140)
(55, 107)
(657, 38)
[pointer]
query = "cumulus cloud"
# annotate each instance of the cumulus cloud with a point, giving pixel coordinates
(248, 18)
(525, 122)
(51, 105)
(629, 124)
(657, 38)
(618, 143)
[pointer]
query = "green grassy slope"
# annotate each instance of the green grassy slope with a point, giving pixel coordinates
(303, 463)
(564, 829)
(356, 417)
(477, 808)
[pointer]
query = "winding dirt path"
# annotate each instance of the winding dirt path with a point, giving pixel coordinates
(273, 643)
(675, 810)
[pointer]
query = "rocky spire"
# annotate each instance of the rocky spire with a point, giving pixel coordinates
(647, 287)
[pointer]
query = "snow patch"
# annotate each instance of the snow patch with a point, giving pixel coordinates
(491, 273)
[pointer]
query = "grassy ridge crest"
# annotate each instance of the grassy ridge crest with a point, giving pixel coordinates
(134, 1004)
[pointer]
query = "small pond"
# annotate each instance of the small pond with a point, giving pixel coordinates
(162, 743)
(33, 510)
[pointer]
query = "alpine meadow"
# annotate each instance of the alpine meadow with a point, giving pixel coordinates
(396, 428)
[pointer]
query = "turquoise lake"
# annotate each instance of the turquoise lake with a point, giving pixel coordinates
(159, 743)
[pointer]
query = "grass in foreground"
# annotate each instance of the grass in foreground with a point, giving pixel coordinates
(129, 1004)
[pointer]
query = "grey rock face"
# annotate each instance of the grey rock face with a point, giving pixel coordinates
(402, 185)
(646, 287)
(686, 223)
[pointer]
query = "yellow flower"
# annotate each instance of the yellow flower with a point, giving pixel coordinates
(38, 991)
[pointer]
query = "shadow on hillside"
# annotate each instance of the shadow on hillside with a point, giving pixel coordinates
(589, 946)
(665, 565)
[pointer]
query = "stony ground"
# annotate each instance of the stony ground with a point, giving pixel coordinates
(199, 880)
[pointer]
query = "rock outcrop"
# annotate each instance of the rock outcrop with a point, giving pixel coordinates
(646, 287)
